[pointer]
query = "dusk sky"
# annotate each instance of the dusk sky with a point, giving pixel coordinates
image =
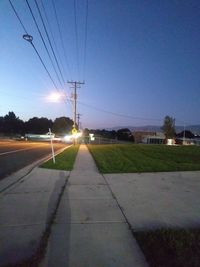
(142, 61)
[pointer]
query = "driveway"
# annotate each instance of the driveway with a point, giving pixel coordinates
(155, 200)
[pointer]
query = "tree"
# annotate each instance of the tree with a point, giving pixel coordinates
(168, 127)
(62, 125)
(125, 135)
(38, 125)
(104, 133)
(1, 124)
(12, 124)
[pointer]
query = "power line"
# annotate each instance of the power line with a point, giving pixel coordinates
(66, 100)
(124, 115)
(29, 38)
(31, 42)
(52, 35)
(85, 43)
(43, 41)
(44, 66)
(17, 15)
(76, 36)
(118, 114)
(56, 60)
(60, 34)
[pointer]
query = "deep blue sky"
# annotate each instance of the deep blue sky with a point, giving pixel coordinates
(142, 60)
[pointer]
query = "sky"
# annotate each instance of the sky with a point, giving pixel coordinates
(139, 59)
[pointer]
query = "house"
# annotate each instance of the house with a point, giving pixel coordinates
(158, 138)
(149, 137)
(139, 135)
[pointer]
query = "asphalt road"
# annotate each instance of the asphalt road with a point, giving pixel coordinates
(15, 155)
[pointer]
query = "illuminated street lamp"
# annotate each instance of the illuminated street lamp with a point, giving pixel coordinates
(28, 38)
(54, 97)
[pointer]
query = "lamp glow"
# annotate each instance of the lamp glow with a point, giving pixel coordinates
(54, 97)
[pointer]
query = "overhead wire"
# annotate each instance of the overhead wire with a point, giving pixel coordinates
(61, 37)
(17, 15)
(127, 116)
(66, 99)
(117, 114)
(89, 106)
(43, 41)
(56, 60)
(85, 39)
(41, 60)
(62, 44)
(76, 38)
(52, 35)
(31, 42)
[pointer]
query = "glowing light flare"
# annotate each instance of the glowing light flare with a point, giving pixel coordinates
(54, 97)
(76, 135)
(68, 138)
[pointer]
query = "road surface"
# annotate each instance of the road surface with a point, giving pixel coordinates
(15, 155)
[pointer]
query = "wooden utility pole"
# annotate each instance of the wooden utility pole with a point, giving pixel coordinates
(78, 120)
(75, 85)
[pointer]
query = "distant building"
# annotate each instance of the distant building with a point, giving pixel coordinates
(184, 141)
(139, 135)
(187, 138)
(149, 137)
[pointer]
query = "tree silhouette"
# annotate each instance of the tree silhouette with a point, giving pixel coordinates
(38, 125)
(125, 135)
(12, 124)
(169, 127)
(62, 125)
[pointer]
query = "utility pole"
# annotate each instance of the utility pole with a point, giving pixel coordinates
(75, 86)
(78, 120)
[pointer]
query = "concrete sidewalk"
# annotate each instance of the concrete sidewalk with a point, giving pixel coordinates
(90, 229)
(158, 200)
(26, 209)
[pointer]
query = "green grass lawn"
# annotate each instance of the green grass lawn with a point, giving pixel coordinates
(64, 160)
(145, 158)
(170, 247)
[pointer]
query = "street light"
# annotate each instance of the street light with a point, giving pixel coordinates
(54, 97)
(28, 38)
